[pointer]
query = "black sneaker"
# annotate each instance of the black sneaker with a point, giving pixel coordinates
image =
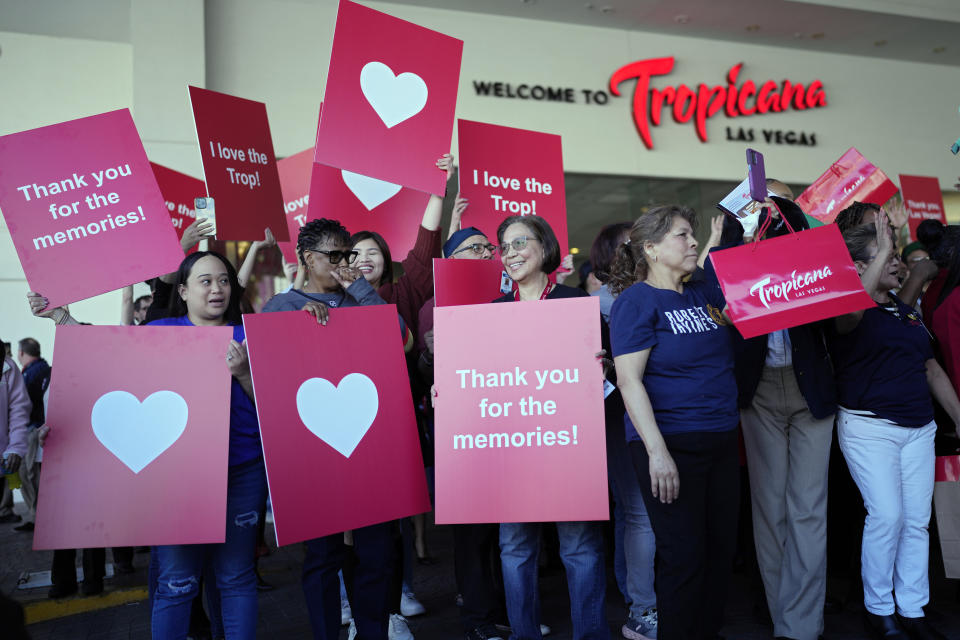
(10, 517)
(642, 628)
(58, 591)
(919, 628)
(488, 632)
(92, 587)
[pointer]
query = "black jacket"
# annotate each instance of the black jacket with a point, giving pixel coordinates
(811, 361)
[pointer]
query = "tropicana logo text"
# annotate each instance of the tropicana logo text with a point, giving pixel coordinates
(798, 284)
(707, 101)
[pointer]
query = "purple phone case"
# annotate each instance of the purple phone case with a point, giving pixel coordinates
(756, 175)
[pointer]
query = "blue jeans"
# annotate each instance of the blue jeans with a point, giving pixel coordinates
(367, 572)
(581, 549)
(634, 542)
(180, 566)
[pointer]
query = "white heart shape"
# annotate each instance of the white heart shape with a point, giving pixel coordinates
(341, 415)
(394, 98)
(138, 432)
(370, 191)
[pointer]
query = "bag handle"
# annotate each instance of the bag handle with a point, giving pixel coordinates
(769, 221)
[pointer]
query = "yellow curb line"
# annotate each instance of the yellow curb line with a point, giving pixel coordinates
(50, 609)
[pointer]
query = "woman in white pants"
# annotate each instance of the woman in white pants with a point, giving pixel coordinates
(885, 373)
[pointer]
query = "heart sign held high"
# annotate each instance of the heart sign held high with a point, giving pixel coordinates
(142, 415)
(362, 202)
(390, 98)
(335, 413)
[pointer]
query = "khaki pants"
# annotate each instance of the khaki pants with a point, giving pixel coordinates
(788, 452)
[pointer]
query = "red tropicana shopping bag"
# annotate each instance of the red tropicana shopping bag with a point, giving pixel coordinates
(850, 178)
(790, 280)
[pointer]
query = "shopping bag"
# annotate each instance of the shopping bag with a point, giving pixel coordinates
(850, 178)
(946, 502)
(790, 280)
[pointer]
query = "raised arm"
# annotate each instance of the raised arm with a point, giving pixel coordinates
(250, 260)
(38, 307)
(871, 277)
(716, 230)
(198, 230)
(431, 215)
(460, 205)
(126, 305)
(664, 478)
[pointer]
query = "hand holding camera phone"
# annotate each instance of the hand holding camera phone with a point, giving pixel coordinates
(206, 210)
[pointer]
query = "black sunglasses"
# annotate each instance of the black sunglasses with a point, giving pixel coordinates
(337, 255)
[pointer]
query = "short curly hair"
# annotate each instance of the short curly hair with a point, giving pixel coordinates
(316, 232)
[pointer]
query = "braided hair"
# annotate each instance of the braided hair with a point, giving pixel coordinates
(853, 215)
(316, 232)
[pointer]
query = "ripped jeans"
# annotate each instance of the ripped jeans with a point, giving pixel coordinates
(233, 561)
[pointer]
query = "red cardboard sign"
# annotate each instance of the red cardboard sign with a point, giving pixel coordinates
(457, 282)
(366, 204)
(83, 207)
(179, 192)
(850, 178)
(390, 98)
(506, 171)
(137, 455)
(336, 418)
(238, 165)
(923, 199)
(295, 184)
(519, 420)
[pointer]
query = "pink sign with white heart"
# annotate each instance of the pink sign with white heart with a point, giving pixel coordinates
(390, 99)
(137, 453)
(520, 434)
(339, 434)
(366, 204)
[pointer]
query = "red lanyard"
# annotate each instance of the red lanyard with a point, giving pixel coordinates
(543, 296)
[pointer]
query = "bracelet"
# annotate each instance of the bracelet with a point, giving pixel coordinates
(65, 315)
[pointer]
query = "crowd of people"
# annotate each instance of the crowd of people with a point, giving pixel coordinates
(692, 399)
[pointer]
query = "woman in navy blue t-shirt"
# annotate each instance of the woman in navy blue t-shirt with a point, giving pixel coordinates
(206, 293)
(674, 360)
(885, 372)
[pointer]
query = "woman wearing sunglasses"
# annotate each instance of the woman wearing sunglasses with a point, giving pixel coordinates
(530, 252)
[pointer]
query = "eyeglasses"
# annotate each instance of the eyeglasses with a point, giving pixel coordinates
(336, 255)
(518, 244)
(477, 247)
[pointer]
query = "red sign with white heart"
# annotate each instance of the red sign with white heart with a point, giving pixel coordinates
(336, 419)
(366, 204)
(390, 98)
(137, 455)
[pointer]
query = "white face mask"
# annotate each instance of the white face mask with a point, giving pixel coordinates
(750, 223)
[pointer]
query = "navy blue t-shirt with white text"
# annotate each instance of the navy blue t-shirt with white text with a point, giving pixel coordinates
(689, 374)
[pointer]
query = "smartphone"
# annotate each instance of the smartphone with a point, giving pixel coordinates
(756, 175)
(206, 211)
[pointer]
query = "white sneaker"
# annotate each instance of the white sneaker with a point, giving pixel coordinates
(346, 614)
(545, 630)
(410, 606)
(398, 629)
(352, 631)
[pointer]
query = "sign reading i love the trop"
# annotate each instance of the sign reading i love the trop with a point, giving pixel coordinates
(139, 423)
(390, 99)
(339, 435)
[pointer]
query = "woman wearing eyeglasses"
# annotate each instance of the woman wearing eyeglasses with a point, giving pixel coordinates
(332, 282)
(885, 372)
(530, 252)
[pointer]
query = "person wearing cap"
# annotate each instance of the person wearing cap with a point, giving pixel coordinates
(474, 545)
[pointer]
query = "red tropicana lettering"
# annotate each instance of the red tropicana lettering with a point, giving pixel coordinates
(736, 100)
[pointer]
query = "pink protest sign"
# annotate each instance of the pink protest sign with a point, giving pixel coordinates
(339, 435)
(519, 419)
(179, 192)
(83, 207)
(506, 171)
(139, 431)
(238, 165)
(457, 282)
(295, 184)
(923, 199)
(366, 204)
(390, 98)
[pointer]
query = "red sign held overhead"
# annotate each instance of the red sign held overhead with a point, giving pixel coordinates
(706, 101)
(924, 200)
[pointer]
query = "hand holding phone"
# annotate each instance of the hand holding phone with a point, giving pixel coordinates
(206, 210)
